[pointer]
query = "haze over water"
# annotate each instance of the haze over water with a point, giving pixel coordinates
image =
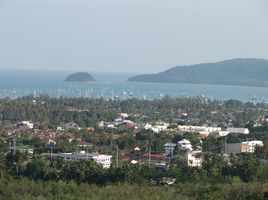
(114, 86)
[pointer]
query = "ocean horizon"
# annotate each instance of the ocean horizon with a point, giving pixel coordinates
(114, 85)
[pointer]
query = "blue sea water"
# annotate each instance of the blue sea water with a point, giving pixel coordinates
(15, 83)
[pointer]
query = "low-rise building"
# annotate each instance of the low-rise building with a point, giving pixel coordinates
(185, 145)
(238, 130)
(203, 130)
(104, 160)
(243, 147)
(250, 146)
(169, 148)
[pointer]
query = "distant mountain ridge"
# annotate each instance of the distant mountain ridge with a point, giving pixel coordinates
(80, 77)
(240, 71)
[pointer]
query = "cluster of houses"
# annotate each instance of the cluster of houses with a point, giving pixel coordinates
(193, 156)
(182, 149)
(122, 122)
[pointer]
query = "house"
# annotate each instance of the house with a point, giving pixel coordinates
(124, 152)
(154, 156)
(238, 130)
(185, 145)
(26, 124)
(59, 128)
(157, 128)
(134, 162)
(123, 115)
(137, 149)
(193, 159)
(150, 127)
(71, 125)
(90, 129)
(50, 141)
(71, 109)
(169, 148)
(250, 146)
(161, 126)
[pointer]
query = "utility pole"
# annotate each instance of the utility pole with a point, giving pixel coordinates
(116, 156)
(87, 153)
(149, 154)
(14, 146)
(225, 146)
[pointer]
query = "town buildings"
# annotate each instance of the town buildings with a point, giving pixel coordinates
(243, 147)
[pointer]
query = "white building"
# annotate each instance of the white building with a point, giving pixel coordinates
(185, 145)
(150, 127)
(169, 148)
(238, 130)
(193, 157)
(250, 146)
(28, 124)
(161, 126)
(104, 160)
(124, 115)
(205, 130)
(223, 133)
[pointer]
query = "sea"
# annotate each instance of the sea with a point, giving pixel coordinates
(112, 85)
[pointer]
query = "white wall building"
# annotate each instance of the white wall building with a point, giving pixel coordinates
(238, 130)
(104, 160)
(193, 158)
(28, 124)
(250, 146)
(185, 145)
(223, 133)
(199, 129)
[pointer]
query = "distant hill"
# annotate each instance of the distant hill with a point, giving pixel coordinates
(80, 77)
(246, 72)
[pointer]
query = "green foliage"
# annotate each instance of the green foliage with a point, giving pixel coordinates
(249, 72)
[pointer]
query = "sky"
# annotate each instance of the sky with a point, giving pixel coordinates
(140, 36)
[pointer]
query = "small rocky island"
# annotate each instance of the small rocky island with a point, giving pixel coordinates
(80, 77)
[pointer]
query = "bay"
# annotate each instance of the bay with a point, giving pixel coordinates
(111, 85)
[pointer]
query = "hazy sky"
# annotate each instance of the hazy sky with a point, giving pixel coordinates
(129, 35)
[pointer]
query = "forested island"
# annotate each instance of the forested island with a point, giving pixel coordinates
(80, 77)
(241, 72)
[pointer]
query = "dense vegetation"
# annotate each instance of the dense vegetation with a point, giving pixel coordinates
(52, 111)
(249, 72)
(62, 190)
(244, 178)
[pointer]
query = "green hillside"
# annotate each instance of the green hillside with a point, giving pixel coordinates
(248, 72)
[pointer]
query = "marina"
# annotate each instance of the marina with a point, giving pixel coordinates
(114, 86)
